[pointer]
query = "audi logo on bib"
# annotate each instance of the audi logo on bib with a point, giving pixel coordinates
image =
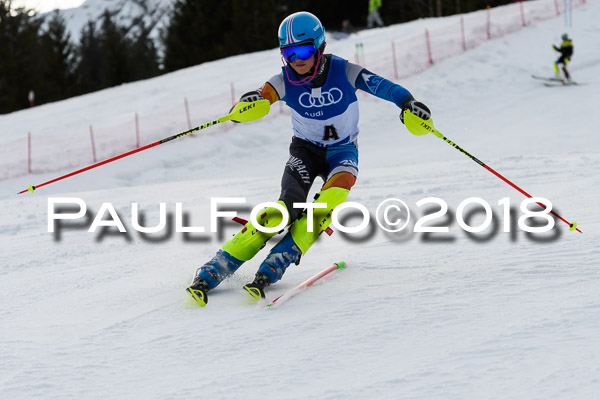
(334, 96)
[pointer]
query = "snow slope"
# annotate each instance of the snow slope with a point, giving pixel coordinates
(448, 316)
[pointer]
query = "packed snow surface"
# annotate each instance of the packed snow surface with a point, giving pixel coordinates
(494, 315)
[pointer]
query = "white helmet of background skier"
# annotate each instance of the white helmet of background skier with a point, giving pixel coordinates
(301, 35)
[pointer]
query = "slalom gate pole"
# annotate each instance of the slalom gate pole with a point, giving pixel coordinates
(241, 112)
(419, 127)
(309, 282)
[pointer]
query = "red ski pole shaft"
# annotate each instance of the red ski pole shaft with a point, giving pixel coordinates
(241, 112)
(98, 164)
(573, 225)
(309, 282)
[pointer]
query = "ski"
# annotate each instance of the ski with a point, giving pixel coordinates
(307, 283)
(198, 295)
(559, 84)
(201, 299)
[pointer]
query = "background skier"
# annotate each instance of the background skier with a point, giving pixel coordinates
(374, 18)
(320, 89)
(566, 53)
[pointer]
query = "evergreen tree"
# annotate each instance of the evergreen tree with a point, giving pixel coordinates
(116, 66)
(113, 54)
(143, 53)
(195, 33)
(20, 69)
(254, 26)
(90, 60)
(58, 59)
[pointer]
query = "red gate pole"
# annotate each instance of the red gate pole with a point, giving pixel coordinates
(29, 152)
(428, 45)
(462, 33)
(187, 113)
(488, 28)
(394, 62)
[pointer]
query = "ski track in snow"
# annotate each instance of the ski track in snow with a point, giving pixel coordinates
(91, 316)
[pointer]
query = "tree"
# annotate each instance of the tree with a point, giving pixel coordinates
(202, 32)
(111, 54)
(20, 69)
(58, 58)
(253, 26)
(90, 60)
(115, 53)
(143, 53)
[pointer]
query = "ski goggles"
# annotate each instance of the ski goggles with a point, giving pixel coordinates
(298, 52)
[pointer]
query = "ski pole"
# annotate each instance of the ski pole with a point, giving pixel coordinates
(309, 282)
(419, 127)
(242, 112)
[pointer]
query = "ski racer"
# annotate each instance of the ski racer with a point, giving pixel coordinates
(320, 89)
(566, 53)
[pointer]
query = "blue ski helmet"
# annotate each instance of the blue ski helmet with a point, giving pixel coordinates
(565, 36)
(301, 27)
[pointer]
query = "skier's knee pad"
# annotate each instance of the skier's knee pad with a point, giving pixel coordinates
(333, 197)
(341, 180)
(247, 242)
